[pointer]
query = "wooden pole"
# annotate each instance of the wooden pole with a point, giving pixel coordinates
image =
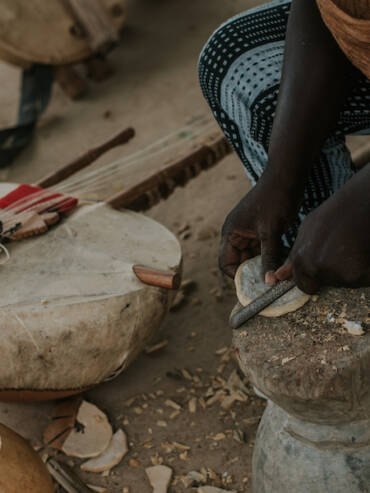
(87, 158)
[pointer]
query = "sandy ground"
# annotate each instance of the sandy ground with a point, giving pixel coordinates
(155, 90)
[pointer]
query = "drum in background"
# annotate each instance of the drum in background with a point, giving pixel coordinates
(72, 313)
(42, 32)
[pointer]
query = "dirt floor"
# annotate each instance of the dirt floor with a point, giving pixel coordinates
(155, 90)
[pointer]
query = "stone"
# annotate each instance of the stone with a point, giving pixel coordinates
(112, 456)
(159, 478)
(353, 328)
(249, 285)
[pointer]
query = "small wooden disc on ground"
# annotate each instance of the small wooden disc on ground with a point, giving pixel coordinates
(249, 286)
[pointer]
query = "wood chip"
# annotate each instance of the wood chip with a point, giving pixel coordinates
(218, 396)
(193, 405)
(221, 351)
(202, 402)
(130, 401)
(186, 374)
(228, 402)
(184, 455)
(159, 478)
(173, 404)
(156, 347)
(286, 360)
(162, 423)
(181, 446)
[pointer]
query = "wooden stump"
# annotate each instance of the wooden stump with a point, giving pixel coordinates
(315, 434)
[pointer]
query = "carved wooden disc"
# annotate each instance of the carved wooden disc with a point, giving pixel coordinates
(249, 285)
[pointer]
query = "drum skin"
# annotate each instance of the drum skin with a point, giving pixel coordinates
(73, 313)
(21, 469)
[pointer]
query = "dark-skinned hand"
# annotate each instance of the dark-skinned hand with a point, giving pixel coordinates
(333, 244)
(255, 226)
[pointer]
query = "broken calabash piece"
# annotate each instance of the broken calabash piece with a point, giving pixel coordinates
(92, 434)
(249, 285)
(63, 421)
(79, 429)
(21, 469)
(112, 456)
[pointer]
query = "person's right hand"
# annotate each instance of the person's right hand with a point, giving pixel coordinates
(255, 226)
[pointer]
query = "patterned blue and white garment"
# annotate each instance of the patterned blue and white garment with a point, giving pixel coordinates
(240, 69)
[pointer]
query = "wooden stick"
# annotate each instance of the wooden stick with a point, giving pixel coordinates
(260, 303)
(66, 477)
(161, 184)
(156, 277)
(87, 158)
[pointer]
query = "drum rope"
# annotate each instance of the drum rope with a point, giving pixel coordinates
(94, 180)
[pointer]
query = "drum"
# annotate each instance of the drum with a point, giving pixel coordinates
(73, 313)
(41, 32)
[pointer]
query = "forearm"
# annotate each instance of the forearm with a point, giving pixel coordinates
(315, 82)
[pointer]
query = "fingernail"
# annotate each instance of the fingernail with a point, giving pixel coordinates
(270, 278)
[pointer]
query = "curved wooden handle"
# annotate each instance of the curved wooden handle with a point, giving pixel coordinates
(155, 277)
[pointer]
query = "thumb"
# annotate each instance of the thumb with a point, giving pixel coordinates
(271, 252)
(285, 271)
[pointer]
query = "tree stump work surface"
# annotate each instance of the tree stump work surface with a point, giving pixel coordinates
(307, 362)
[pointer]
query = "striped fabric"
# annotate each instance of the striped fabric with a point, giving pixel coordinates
(240, 70)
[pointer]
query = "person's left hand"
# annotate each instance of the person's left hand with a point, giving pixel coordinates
(333, 243)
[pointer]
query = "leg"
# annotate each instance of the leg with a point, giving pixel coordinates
(240, 71)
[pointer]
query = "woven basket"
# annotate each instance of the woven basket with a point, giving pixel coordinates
(349, 22)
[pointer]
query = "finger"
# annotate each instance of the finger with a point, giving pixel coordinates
(270, 278)
(229, 258)
(271, 250)
(285, 271)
